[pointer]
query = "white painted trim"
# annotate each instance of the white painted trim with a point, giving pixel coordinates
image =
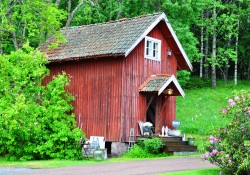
(178, 43)
(164, 18)
(145, 33)
(174, 80)
(158, 58)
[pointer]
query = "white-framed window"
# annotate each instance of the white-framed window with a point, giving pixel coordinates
(152, 48)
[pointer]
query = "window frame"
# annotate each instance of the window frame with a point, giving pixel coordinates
(149, 50)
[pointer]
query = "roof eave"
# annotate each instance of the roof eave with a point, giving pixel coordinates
(160, 18)
(174, 80)
(87, 57)
(178, 44)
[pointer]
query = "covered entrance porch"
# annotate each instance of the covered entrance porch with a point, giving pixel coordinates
(160, 91)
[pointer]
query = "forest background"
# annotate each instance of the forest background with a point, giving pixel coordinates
(214, 33)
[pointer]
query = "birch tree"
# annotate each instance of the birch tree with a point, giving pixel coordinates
(27, 20)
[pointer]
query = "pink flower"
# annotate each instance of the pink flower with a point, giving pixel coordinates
(229, 161)
(224, 111)
(216, 140)
(222, 152)
(214, 151)
(232, 104)
(237, 98)
(211, 137)
(205, 155)
(248, 110)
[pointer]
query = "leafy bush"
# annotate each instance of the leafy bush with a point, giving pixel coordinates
(196, 82)
(183, 77)
(35, 121)
(230, 146)
(140, 152)
(153, 145)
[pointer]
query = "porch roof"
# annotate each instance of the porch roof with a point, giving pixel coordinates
(159, 84)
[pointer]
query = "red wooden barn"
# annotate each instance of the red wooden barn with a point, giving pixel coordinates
(120, 74)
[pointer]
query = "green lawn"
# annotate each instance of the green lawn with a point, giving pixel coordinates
(199, 112)
(210, 171)
(64, 163)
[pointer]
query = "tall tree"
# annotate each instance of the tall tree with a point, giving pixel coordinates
(214, 35)
(27, 20)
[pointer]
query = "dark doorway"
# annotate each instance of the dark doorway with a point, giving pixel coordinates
(151, 109)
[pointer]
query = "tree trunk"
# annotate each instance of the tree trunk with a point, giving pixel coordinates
(13, 32)
(236, 49)
(1, 35)
(71, 15)
(58, 2)
(159, 5)
(225, 71)
(206, 48)
(214, 49)
(248, 76)
(202, 47)
(120, 2)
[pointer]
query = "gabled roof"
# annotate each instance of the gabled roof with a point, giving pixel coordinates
(117, 38)
(159, 83)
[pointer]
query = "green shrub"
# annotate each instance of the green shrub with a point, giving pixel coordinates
(140, 152)
(183, 77)
(36, 121)
(153, 145)
(230, 147)
(196, 82)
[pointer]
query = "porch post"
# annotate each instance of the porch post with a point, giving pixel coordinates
(158, 115)
(160, 104)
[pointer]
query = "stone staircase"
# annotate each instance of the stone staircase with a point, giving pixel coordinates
(174, 145)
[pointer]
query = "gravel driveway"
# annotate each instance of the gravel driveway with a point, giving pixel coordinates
(143, 167)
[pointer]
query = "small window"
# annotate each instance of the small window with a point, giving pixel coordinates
(152, 48)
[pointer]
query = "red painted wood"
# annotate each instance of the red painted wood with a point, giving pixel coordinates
(107, 99)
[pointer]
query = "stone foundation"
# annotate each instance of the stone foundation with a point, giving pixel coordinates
(118, 148)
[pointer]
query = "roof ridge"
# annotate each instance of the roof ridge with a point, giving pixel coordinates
(114, 21)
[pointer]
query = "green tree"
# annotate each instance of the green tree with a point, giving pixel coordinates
(36, 121)
(230, 147)
(27, 20)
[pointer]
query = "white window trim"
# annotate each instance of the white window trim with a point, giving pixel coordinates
(154, 40)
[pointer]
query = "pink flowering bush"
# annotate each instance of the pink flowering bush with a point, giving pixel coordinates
(230, 146)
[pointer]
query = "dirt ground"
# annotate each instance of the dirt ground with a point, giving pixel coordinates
(143, 167)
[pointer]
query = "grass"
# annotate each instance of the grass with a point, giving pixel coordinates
(199, 116)
(64, 163)
(210, 171)
(199, 112)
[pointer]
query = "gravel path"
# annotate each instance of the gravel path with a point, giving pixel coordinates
(11, 170)
(144, 167)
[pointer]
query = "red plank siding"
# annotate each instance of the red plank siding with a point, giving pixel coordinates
(107, 99)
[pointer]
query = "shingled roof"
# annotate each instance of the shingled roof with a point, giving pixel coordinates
(159, 83)
(117, 38)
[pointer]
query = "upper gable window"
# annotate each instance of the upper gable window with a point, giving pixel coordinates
(152, 48)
